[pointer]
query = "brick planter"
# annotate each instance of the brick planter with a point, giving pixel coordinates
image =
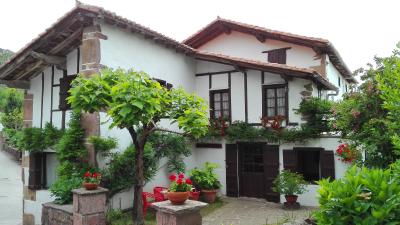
(188, 213)
(54, 214)
(89, 206)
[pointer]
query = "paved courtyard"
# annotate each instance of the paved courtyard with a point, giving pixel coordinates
(10, 191)
(245, 211)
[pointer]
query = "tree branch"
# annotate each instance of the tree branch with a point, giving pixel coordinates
(171, 131)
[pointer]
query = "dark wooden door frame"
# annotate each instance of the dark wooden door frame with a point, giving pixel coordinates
(233, 185)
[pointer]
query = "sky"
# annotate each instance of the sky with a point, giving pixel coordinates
(359, 29)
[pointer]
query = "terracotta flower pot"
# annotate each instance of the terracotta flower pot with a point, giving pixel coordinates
(194, 195)
(291, 199)
(90, 186)
(209, 195)
(178, 198)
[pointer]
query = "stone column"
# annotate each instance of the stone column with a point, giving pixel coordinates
(28, 195)
(91, 55)
(89, 207)
(188, 213)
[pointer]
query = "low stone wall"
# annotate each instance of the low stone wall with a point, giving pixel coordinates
(53, 214)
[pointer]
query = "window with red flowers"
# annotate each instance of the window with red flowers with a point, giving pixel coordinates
(220, 104)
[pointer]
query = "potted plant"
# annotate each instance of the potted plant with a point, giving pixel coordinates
(289, 184)
(179, 189)
(207, 181)
(194, 194)
(91, 181)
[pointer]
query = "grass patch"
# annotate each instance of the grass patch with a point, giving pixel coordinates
(119, 217)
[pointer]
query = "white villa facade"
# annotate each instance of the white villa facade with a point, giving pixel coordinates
(230, 61)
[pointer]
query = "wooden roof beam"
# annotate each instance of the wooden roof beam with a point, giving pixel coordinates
(15, 64)
(19, 84)
(58, 61)
(66, 42)
(261, 38)
(28, 70)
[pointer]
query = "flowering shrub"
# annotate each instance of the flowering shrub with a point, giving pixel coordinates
(218, 126)
(93, 178)
(181, 184)
(274, 122)
(346, 153)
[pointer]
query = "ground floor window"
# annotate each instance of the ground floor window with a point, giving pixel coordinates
(308, 162)
(313, 163)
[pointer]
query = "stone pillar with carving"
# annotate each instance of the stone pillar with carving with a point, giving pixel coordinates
(188, 213)
(91, 55)
(89, 207)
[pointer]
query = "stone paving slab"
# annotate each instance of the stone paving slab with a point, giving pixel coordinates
(247, 211)
(10, 190)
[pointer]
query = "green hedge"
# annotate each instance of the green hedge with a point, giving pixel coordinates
(363, 196)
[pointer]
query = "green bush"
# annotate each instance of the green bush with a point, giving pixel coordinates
(70, 152)
(206, 178)
(288, 183)
(363, 196)
(120, 171)
(103, 145)
(51, 135)
(32, 140)
(71, 145)
(62, 187)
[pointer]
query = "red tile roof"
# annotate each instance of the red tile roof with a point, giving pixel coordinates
(111, 17)
(220, 25)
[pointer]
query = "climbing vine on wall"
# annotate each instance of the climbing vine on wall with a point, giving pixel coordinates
(315, 112)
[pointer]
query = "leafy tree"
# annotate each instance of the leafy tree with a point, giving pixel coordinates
(389, 85)
(362, 120)
(137, 103)
(11, 108)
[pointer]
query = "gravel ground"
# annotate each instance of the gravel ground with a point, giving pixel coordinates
(245, 211)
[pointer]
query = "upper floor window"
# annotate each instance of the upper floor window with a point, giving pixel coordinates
(277, 55)
(65, 85)
(275, 100)
(339, 81)
(220, 104)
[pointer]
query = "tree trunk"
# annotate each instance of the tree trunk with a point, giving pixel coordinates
(138, 216)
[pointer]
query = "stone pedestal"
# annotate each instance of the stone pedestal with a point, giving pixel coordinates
(89, 207)
(188, 213)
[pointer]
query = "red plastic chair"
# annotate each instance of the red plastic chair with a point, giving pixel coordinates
(159, 196)
(147, 197)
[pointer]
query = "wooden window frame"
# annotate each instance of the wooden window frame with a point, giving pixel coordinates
(283, 51)
(212, 92)
(265, 104)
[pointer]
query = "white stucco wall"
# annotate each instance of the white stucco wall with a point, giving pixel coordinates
(333, 76)
(247, 46)
(310, 198)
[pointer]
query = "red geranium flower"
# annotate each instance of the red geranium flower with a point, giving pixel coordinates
(179, 181)
(188, 181)
(95, 175)
(181, 176)
(87, 174)
(172, 177)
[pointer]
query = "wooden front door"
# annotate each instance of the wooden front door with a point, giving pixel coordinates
(251, 168)
(258, 167)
